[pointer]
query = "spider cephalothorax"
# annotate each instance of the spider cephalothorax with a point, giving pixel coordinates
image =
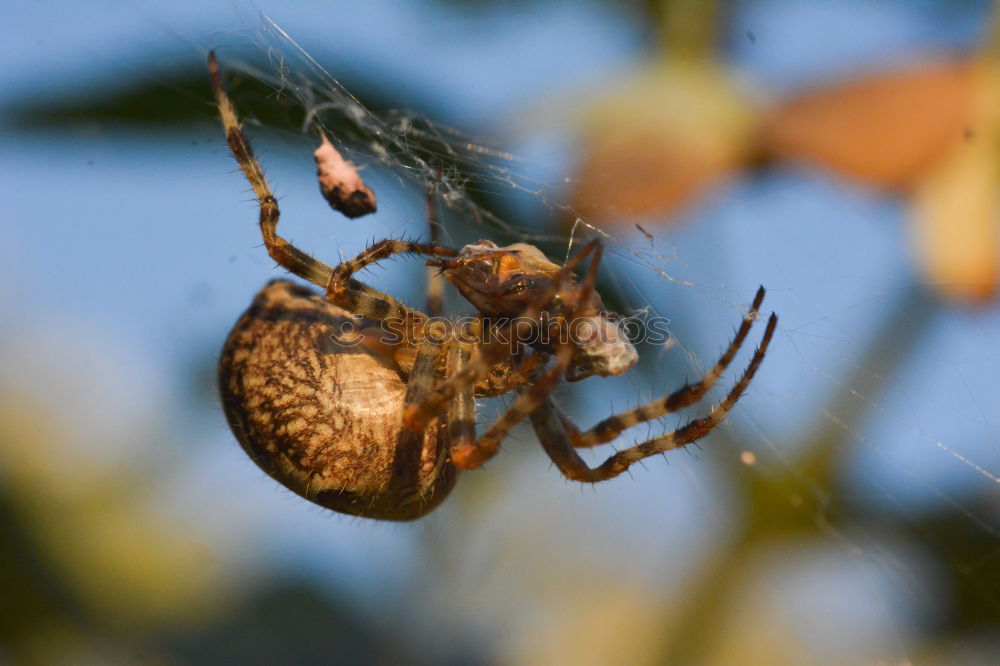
(506, 281)
(379, 426)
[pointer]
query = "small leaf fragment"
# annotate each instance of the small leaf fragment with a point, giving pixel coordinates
(957, 206)
(884, 129)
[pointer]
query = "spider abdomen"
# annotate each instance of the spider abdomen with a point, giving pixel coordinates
(324, 418)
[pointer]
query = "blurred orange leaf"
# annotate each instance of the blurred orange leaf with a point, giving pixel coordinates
(885, 130)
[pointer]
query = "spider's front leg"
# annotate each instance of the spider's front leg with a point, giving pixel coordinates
(609, 428)
(357, 297)
(287, 255)
(343, 291)
(560, 438)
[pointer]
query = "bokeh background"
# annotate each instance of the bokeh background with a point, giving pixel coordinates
(844, 154)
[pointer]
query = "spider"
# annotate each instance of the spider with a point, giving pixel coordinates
(379, 427)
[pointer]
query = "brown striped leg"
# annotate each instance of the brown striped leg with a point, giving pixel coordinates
(420, 383)
(359, 298)
(355, 296)
(416, 417)
(408, 463)
(353, 293)
(611, 427)
(462, 408)
(383, 250)
(487, 446)
(283, 252)
(550, 427)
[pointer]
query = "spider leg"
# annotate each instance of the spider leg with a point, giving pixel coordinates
(420, 384)
(484, 448)
(352, 295)
(357, 297)
(416, 416)
(435, 280)
(409, 462)
(611, 427)
(283, 252)
(462, 408)
(377, 252)
(550, 426)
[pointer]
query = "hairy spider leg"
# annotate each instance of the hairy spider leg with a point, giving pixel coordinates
(354, 296)
(611, 427)
(416, 417)
(475, 454)
(406, 462)
(549, 425)
(374, 305)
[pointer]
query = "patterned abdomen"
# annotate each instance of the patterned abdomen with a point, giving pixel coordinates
(324, 419)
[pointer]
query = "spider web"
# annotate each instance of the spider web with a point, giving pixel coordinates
(866, 368)
(423, 155)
